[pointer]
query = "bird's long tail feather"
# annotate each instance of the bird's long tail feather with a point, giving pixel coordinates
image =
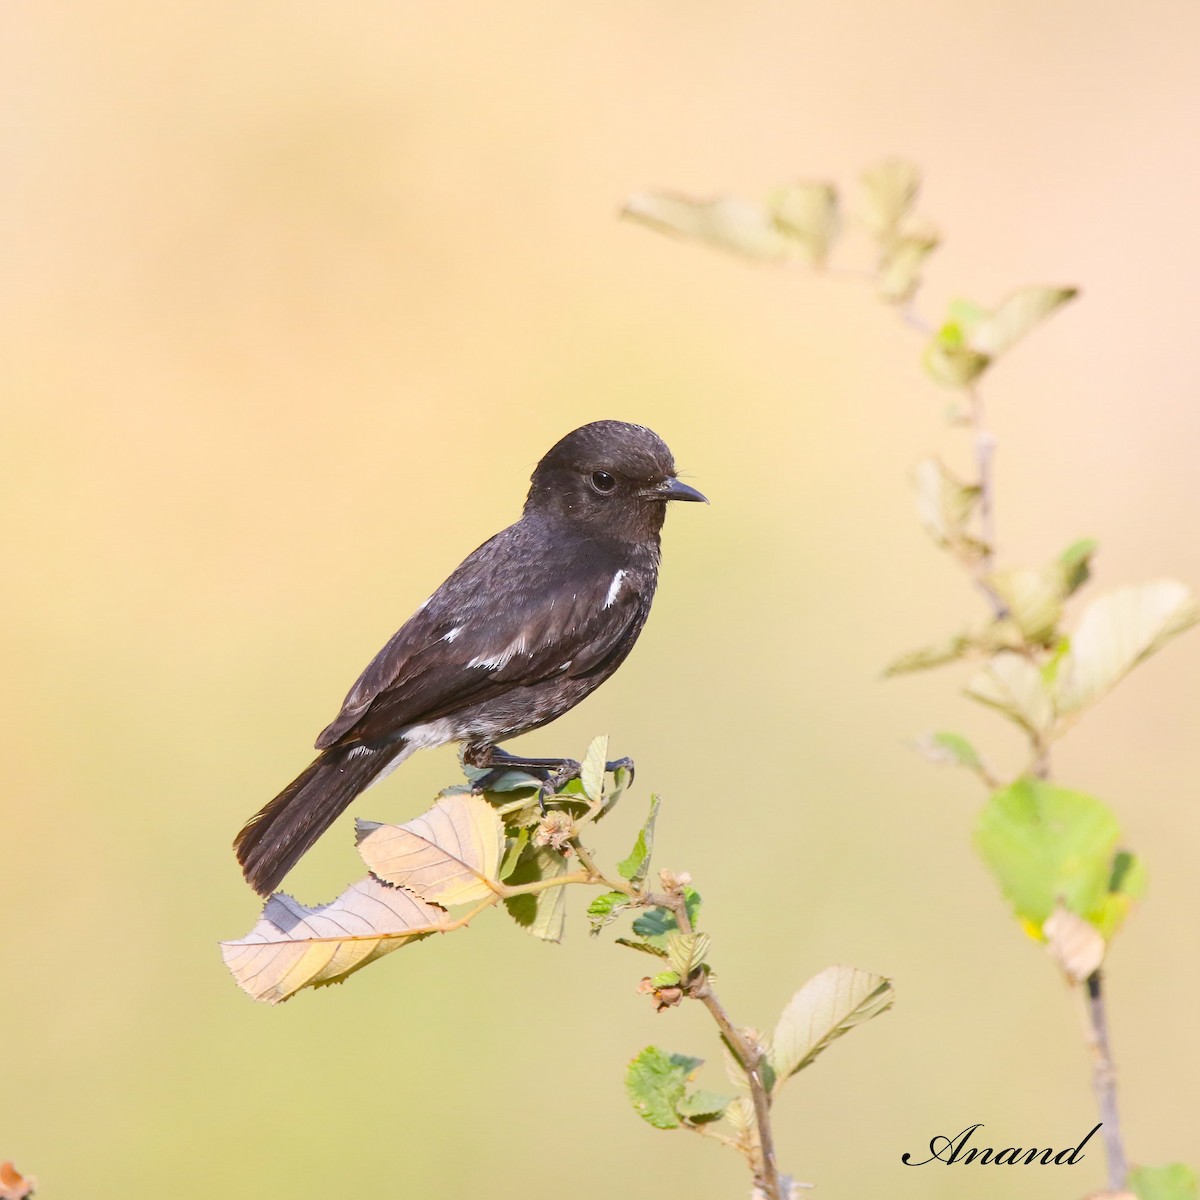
(275, 838)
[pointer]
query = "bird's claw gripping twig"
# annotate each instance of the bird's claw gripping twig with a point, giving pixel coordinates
(622, 764)
(555, 773)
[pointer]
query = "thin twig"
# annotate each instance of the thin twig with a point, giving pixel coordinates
(751, 1058)
(1104, 1079)
(748, 1054)
(985, 451)
(712, 1135)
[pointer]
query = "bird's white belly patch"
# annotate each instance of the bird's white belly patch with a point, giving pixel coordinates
(416, 737)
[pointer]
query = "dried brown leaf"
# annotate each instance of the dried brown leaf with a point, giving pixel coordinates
(1075, 944)
(294, 946)
(448, 855)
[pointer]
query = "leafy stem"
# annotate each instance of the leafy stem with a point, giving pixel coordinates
(749, 1053)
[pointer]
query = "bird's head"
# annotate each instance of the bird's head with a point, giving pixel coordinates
(613, 477)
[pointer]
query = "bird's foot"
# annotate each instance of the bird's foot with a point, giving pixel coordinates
(622, 764)
(555, 773)
(556, 779)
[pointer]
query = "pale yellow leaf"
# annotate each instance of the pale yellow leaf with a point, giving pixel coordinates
(1075, 944)
(954, 365)
(448, 855)
(889, 192)
(928, 657)
(1118, 631)
(740, 1115)
(1016, 317)
(1033, 599)
(808, 213)
(734, 1072)
(944, 503)
(294, 946)
(593, 769)
(901, 262)
(1012, 684)
(827, 1006)
(726, 222)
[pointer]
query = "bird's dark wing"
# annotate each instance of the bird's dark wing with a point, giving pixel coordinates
(506, 618)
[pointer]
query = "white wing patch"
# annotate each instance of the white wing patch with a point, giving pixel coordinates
(450, 635)
(614, 589)
(493, 662)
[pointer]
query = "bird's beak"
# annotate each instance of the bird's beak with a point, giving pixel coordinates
(674, 490)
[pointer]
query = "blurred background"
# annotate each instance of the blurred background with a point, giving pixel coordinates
(294, 297)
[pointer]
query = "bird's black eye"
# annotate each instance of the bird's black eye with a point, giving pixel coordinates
(603, 482)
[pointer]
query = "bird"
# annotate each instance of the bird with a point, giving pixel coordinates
(526, 627)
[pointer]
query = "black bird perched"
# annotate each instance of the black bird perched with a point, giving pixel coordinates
(526, 627)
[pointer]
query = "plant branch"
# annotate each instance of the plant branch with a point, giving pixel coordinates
(713, 1135)
(589, 864)
(1104, 1079)
(985, 451)
(749, 1055)
(507, 891)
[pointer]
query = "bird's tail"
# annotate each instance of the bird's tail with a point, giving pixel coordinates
(275, 838)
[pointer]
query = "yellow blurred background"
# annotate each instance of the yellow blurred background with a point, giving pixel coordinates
(295, 295)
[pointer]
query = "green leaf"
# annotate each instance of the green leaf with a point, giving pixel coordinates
(701, 1107)
(657, 924)
(950, 361)
(634, 867)
(1047, 844)
(644, 947)
(591, 770)
(605, 909)
(1176, 1182)
(1014, 686)
(542, 914)
(516, 847)
(827, 1006)
(950, 749)
(510, 781)
(1020, 313)
(965, 346)
(1074, 565)
(889, 193)
(1126, 886)
(966, 315)
(807, 213)
(665, 979)
(656, 1082)
(1118, 631)
(728, 223)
